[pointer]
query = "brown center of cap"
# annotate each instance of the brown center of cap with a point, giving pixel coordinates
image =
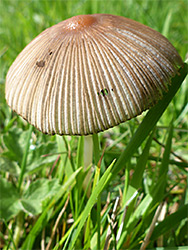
(80, 22)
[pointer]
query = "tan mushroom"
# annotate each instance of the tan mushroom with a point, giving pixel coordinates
(89, 73)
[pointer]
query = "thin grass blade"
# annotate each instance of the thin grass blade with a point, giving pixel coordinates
(92, 200)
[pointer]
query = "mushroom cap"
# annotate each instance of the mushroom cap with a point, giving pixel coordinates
(89, 73)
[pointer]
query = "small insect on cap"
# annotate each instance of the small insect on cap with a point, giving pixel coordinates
(89, 73)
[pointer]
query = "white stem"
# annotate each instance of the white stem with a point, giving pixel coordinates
(88, 151)
(88, 160)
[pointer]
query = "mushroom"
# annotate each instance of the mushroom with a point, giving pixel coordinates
(89, 73)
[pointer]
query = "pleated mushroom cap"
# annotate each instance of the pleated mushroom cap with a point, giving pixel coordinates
(89, 73)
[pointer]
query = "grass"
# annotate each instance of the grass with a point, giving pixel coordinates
(143, 162)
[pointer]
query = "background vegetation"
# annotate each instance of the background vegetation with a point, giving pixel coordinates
(142, 194)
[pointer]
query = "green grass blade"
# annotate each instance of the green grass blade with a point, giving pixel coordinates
(139, 169)
(10, 234)
(96, 149)
(24, 160)
(135, 183)
(92, 200)
(166, 157)
(63, 165)
(79, 163)
(166, 26)
(68, 234)
(87, 236)
(96, 177)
